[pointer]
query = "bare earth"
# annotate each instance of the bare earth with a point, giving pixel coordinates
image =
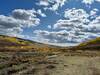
(57, 63)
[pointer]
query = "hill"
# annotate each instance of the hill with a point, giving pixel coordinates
(8, 43)
(93, 44)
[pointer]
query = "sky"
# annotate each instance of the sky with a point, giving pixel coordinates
(56, 22)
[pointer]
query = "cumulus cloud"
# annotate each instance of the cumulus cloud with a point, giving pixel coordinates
(94, 11)
(23, 14)
(19, 18)
(55, 36)
(95, 25)
(90, 1)
(74, 13)
(75, 28)
(52, 4)
(40, 13)
(43, 3)
(58, 3)
(27, 17)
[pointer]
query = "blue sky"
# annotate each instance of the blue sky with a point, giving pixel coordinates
(58, 22)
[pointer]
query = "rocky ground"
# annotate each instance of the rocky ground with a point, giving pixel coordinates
(55, 63)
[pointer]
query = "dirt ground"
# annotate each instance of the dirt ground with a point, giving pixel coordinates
(48, 64)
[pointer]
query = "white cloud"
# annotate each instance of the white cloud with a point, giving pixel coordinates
(23, 14)
(77, 23)
(40, 13)
(52, 4)
(26, 17)
(88, 1)
(62, 36)
(75, 28)
(74, 13)
(93, 13)
(59, 3)
(54, 36)
(43, 3)
(19, 18)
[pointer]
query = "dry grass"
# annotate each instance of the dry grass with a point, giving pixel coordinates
(30, 63)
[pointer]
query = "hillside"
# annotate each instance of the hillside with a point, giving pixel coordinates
(8, 43)
(93, 44)
(13, 41)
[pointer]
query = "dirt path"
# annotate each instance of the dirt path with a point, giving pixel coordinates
(54, 64)
(70, 65)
